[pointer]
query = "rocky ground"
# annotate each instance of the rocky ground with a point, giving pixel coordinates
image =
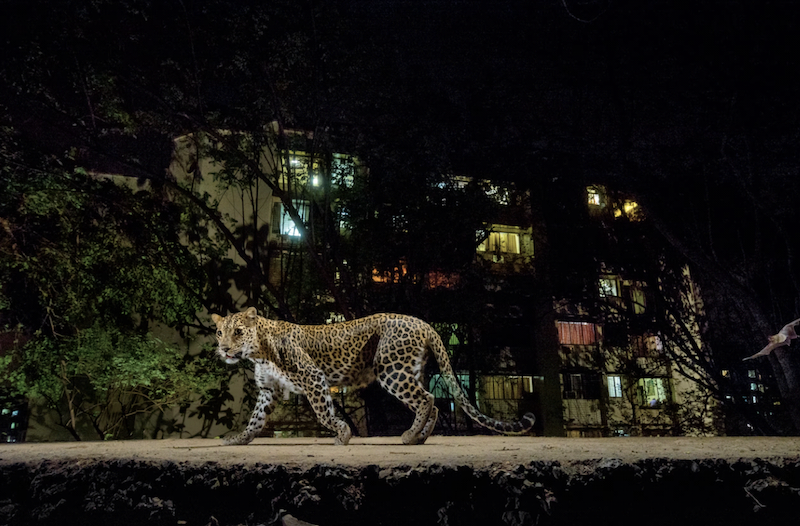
(377, 481)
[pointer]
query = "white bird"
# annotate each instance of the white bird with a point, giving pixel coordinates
(784, 337)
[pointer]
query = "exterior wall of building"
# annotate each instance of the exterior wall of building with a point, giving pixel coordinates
(545, 354)
(615, 375)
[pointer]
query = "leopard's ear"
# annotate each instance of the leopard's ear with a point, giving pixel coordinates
(250, 317)
(216, 318)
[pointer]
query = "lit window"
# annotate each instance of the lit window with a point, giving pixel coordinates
(593, 195)
(615, 386)
(638, 298)
(343, 169)
(393, 275)
(303, 168)
(505, 387)
(500, 242)
(576, 333)
(282, 223)
(296, 167)
(609, 287)
(629, 209)
(652, 392)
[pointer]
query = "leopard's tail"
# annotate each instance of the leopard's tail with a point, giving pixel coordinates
(506, 428)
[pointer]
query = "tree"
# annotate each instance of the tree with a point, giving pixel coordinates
(737, 263)
(216, 89)
(87, 274)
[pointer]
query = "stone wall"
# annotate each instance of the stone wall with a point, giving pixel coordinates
(652, 492)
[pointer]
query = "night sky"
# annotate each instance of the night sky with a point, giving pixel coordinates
(611, 76)
(690, 105)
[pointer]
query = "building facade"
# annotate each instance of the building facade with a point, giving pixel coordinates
(556, 310)
(544, 294)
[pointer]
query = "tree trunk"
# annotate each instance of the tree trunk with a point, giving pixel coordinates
(70, 397)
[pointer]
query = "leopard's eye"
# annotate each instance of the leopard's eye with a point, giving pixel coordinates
(219, 334)
(238, 332)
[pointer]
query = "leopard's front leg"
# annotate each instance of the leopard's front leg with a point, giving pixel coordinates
(319, 396)
(257, 419)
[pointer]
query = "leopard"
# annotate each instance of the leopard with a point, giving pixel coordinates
(391, 349)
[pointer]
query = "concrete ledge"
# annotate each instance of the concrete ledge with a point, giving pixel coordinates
(451, 480)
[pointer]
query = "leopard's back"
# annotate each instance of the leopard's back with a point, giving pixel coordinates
(346, 351)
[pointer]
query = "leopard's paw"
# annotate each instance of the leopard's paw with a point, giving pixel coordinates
(410, 438)
(343, 438)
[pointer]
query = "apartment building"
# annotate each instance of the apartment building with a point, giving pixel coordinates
(575, 327)
(539, 311)
(520, 338)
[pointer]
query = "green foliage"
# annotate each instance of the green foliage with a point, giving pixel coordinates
(107, 363)
(90, 269)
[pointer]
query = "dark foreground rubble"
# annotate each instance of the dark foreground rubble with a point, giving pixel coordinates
(104, 491)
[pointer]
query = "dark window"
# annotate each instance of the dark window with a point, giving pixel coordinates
(581, 386)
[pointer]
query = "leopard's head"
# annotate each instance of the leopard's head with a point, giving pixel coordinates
(237, 336)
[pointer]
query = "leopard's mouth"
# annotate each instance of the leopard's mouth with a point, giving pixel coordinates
(230, 358)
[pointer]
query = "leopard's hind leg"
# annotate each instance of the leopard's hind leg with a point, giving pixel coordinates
(429, 425)
(408, 389)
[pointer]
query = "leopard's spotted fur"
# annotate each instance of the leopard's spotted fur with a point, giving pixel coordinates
(310, 359)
